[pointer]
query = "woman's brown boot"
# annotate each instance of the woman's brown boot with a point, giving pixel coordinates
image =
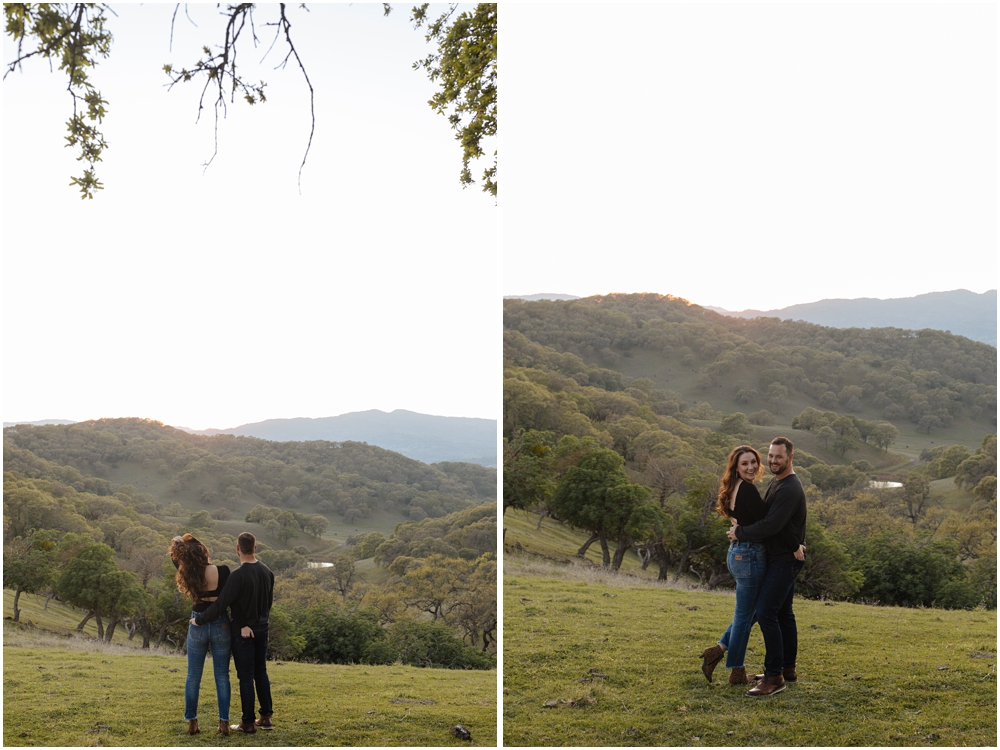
(738, 676)
(193, 726)
(709, 658)
(223, 727)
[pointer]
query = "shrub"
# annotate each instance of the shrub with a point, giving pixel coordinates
(380, 652)
(279, 560)
(898, 572)
(332, 635)
(427, 644)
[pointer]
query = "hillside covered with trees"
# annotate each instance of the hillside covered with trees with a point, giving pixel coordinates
(619, 412)
(90, 508)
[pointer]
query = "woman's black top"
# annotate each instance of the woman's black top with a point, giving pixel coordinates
(202, 605)
(748, 509)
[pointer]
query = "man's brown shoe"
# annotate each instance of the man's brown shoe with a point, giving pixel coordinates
(245, 727)
(709, 658)
(223, 727)
(738, 676)
(770, 685)
(193, 726)
(788, 673)
(264, 722)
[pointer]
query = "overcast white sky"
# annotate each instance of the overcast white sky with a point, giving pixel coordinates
(219, 299)
(750, 156)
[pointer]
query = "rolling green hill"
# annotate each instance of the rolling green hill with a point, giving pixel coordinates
(90, 510)
(620, 411)
(932, 385)
(359, 488)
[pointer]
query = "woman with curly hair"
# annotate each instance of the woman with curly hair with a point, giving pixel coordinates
(201, 582)
(740, 502)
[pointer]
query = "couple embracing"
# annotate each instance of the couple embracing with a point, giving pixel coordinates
(765, 557)
(213, 589)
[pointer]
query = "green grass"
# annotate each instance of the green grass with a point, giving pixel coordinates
(867, 675)
(554, 540)
(949, 496)
(69, 692)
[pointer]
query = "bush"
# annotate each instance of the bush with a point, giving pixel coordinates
(735, 424)
(282, 640)
(279, 560)
(334, 636)
(426, 644)
(898, 572)
(379, 652)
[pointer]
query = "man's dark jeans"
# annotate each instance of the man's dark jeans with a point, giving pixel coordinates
(250, 656)
(775, 617)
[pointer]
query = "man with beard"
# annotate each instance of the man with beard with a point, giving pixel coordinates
(782, 530)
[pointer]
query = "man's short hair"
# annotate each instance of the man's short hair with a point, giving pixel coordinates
(785, 442)
(247, 543)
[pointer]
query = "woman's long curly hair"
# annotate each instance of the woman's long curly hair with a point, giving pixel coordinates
(732, 476)
(192, 558)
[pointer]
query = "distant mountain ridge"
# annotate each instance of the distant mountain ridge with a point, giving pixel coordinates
(542, 296)
(961, 312)
(423, 437)
(41, 422)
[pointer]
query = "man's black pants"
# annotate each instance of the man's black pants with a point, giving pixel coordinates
(250, 656)
(775, 617)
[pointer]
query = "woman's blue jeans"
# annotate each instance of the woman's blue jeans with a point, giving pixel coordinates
(214, 635)
(747, 562)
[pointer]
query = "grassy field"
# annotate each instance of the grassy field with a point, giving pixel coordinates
(616, 659)
(76, 692)
(949, 496)
(559, 542)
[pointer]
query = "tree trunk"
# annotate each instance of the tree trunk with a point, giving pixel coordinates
(112, 624)
(662, 560)
(718, 576)
(583, 550)
(162, 632)
(84, 621)
(683, 563)
(624, 545)
(645, 554)
(545, 514)
(17, 612)
(100, 625)
(684, 558)
(605, 554)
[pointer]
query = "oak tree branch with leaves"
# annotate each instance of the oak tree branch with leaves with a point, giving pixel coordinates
(76, 37)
